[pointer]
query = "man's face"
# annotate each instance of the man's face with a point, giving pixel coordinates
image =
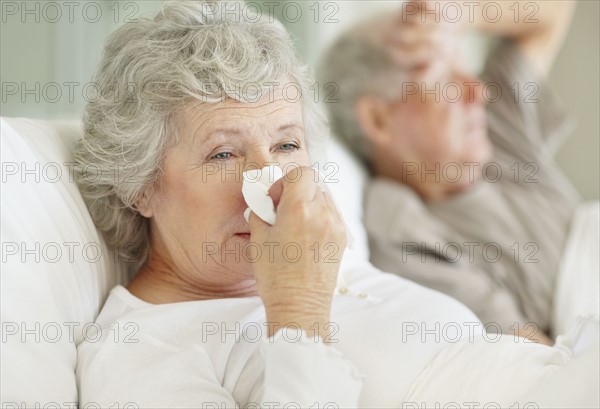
(441, 122)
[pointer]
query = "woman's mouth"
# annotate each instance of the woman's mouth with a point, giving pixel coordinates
(243, 235)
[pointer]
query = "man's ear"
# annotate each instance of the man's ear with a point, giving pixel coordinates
(144, 204)
(372, 115)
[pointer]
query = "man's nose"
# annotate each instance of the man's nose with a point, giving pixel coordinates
(473, 89)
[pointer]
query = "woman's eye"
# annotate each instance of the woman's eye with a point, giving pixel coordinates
(288, 147)
(221, 156)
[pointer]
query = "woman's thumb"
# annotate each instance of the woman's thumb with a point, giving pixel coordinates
(257, 224)
(275, 192)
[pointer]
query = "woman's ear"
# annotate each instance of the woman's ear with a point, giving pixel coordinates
(143, 204)
(372, 115)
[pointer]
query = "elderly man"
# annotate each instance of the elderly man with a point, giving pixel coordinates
(466, 197)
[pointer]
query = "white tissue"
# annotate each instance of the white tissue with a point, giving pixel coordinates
(256, 192)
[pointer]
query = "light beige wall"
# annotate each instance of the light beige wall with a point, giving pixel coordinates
(62, 52)
(56, 46)
(576, 78)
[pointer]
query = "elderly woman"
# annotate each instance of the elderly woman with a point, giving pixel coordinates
(228, 313)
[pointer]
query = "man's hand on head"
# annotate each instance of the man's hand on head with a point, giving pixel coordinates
(417, 36)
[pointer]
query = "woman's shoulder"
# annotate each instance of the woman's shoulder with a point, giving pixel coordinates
(126, 316)
(185, 345)
(119, 303)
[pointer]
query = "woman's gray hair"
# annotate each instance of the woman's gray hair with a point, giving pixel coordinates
(359, 65)
(191, 51)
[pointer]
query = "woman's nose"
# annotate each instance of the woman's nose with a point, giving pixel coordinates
(260, 158)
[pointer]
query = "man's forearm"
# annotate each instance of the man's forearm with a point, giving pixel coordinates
(516, 19)
(537, 27)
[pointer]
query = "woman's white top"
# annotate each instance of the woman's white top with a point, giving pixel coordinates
(393, 344)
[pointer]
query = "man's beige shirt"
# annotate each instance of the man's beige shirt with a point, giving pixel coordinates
(497, 247)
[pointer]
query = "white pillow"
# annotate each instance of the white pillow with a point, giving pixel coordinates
(50, 289)
(346, 178)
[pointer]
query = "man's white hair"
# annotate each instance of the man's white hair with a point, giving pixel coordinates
(358, 64)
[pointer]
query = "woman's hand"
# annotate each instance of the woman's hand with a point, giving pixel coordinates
(301, 253)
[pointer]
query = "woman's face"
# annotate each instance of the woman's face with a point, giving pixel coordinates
(197, 222)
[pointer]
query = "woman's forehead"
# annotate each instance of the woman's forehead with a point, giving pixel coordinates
(201, 116)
